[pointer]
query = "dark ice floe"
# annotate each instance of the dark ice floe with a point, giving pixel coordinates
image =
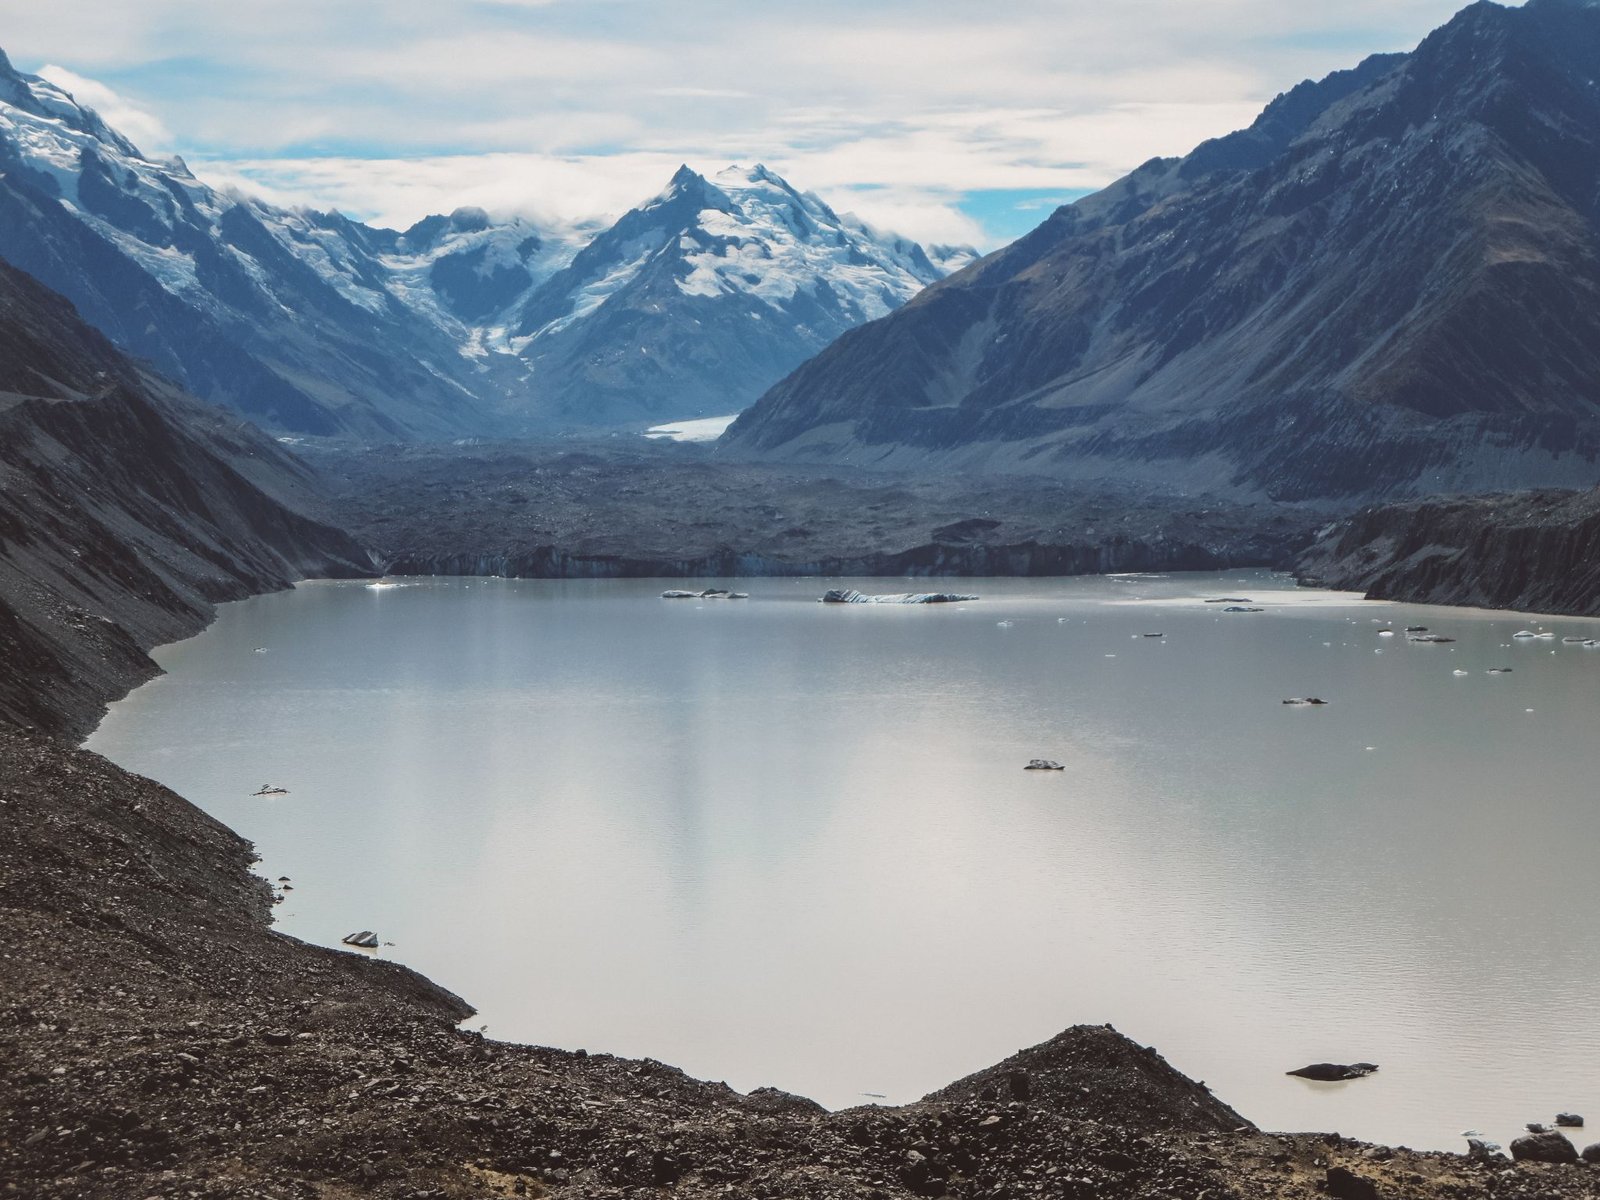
(850, 596)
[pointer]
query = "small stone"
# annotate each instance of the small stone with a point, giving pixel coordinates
(1480, 1150)
(276, 1037)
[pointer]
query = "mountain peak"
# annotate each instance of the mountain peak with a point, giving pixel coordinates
(759, 175)
(684, 179)
(469, 219)
(686, 193)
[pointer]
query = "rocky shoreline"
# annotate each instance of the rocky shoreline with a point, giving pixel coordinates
(161, 1040)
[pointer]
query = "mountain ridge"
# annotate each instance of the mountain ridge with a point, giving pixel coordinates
(127, 511)
(1382, 286)
(315, 324)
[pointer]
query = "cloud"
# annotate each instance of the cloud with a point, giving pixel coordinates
(899, 108)
(140, 126)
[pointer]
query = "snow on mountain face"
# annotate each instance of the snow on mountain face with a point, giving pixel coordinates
(772, 242)
(468, 273)
(310, 322)
(950, 259)
(695, 302)
(287, 316)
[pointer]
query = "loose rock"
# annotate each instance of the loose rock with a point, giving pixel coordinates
(1547, 1147)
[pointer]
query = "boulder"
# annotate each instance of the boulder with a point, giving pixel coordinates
(366, 939)
(1569, 1121)
(1547, 1147)
(1591, 1154)
(1043, 764)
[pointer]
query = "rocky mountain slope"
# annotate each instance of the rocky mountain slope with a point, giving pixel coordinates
(1387, 285)
(127, 510)
(1531, 551)
(311, 323)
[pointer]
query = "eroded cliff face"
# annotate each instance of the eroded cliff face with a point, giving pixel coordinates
(1532, 551)
(127, 511)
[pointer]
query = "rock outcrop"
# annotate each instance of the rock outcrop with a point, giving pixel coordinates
(1532, 551)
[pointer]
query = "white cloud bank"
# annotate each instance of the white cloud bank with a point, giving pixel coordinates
(392, 109)
(143, 128)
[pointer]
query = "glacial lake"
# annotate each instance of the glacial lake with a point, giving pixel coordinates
(777, 842)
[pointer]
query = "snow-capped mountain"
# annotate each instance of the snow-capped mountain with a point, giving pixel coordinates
(313, 323)
(287, 316)
(695, 302)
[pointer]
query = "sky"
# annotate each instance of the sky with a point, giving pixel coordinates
(946, 120)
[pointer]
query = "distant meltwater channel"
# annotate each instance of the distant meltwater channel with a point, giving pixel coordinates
(778, 842)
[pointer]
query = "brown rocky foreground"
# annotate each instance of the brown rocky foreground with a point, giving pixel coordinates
(157, 1038)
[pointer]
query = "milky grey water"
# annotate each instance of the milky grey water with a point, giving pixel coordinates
(780, 843)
